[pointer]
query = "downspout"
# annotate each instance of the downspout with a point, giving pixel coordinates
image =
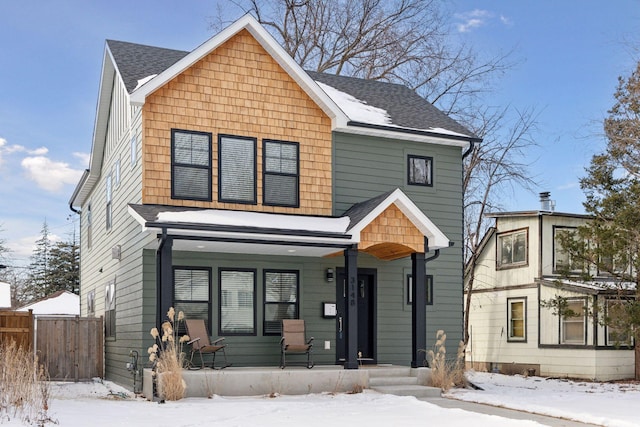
(472, 145)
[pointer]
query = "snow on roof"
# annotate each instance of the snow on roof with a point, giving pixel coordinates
(5, 295)
(62, 302)
(144, 80)
(359, 111)
(253, 219)
(598, 285)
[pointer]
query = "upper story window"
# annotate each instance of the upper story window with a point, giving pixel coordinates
(190, 165)
(516, 312)
(573, 322)
(512, 249)
(116, 173)
(89, 221)
(109, 207)
(562, 259)
(281, 173)
(237, 169)
(419, 170)
(134, 151)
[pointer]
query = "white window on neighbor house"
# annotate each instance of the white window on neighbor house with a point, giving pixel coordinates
(110, 309)
(190, 165)
(116, 173)
(237, 169)
(281, 173)
(562, 259)
(134, 151)
(280, 299)
(420, 170)
(573, 322)
(109, 207)
(89, 222)
(615, 313)
(237, 302)
(516, 318)
(191, 293)
(512, 249)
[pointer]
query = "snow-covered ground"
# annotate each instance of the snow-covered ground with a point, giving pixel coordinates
(607, 404)
(106, 404)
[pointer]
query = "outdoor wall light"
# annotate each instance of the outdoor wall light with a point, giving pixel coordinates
(329, 275)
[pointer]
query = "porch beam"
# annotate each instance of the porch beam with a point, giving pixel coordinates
(338, 245)
(164, 279)
(351, 337)
(418, 310)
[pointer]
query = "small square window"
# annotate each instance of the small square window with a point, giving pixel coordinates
(512, 249)
(420, 170)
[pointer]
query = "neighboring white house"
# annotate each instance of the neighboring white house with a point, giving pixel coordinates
(60, 303)
(510, 331)
(5, 295)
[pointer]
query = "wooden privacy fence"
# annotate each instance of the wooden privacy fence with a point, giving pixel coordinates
(72, 348)
(16, 326)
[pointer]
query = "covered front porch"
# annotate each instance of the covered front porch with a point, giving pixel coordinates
(334, 263)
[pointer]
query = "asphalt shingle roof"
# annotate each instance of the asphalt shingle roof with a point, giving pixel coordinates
(404, 106)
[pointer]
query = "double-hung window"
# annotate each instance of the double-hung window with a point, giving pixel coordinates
(573, 322)
(237, 302)
(420, 170)
(237, 169)
(191, 292)
(281, 176)
(516, 317)
(280, 299)
(190, 165)
(512, 249)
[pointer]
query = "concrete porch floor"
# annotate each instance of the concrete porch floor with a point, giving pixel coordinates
(252, 381)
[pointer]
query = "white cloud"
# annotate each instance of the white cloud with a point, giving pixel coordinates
(48, 174)
(84, 158)
(6, 149)
(477, 18)
(39, 151)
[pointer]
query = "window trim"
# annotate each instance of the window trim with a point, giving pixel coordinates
(255, 320)
(208, 168)
(265, 303)
(110, 310)
(209, 270)
(108, 188)
(510, 336)
(501, 266)
(265, 172)
(429, 294)
(221, 199)
(561, 336)
(428, 159)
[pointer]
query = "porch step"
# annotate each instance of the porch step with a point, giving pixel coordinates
(418, 391)
(400, 381)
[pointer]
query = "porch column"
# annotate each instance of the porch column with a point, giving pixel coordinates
(418, 310)
(164, 279)
(351, 311)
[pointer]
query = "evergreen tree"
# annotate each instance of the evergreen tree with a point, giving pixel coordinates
(64, 268)
(38, 281)
(612, 187)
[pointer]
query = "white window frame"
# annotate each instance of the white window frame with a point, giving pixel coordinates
(109, 202)
(511, 238)
(511, 337)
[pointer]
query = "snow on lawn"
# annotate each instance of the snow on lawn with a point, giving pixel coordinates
(608, 404)
(100, 404)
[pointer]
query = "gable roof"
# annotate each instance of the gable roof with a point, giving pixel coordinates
(58, 303)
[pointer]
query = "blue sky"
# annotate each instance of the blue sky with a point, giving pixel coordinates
(568, 53)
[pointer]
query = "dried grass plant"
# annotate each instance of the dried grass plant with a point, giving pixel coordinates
(24, 386)
(446, 373)
(168, 358)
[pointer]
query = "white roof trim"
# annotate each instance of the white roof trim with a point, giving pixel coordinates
(437, 239)
(406, 136)
(249, 23)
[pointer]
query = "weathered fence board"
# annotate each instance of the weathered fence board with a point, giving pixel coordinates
(16, 326)
(72, 348)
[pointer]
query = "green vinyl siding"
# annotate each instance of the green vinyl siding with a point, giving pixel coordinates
(365, 167)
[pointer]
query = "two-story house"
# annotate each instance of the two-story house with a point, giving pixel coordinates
(515, 327)
(229, 183)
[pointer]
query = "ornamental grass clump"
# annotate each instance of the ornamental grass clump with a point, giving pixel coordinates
(24, 386)
(446, 373)
(167, 357)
